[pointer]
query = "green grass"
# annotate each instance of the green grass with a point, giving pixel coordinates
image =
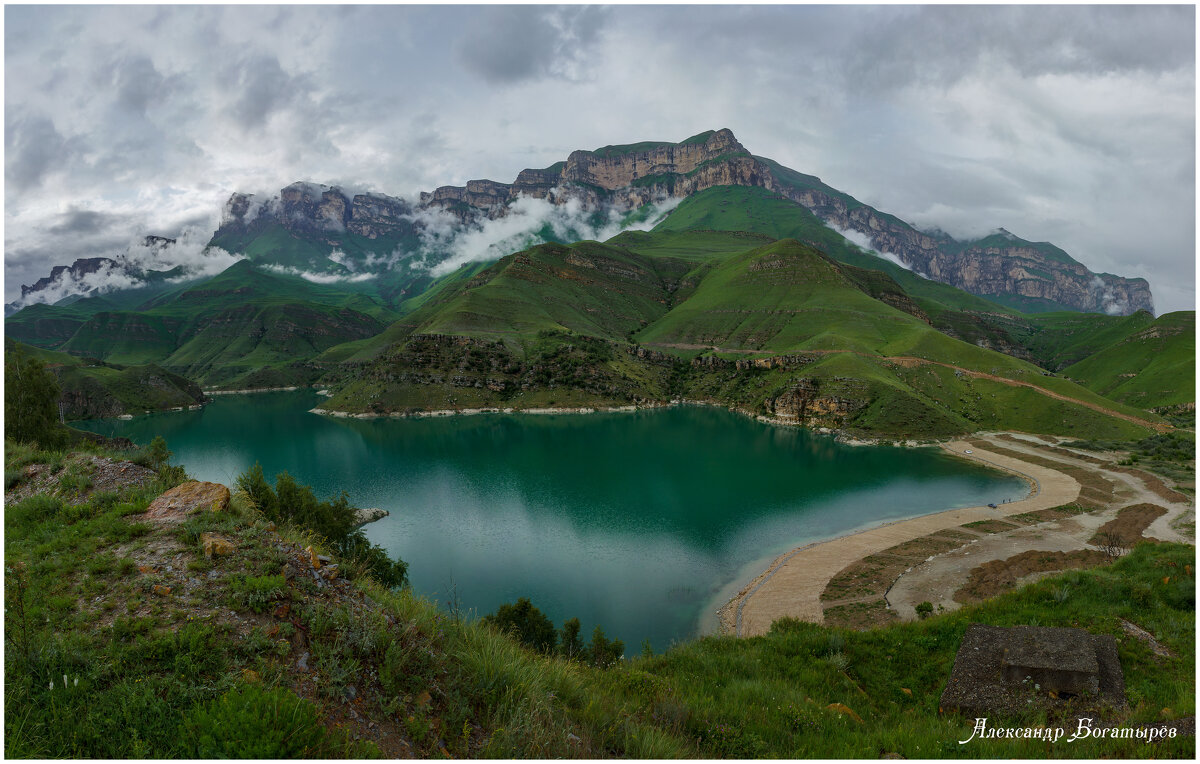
(242, 325)
(744, 210)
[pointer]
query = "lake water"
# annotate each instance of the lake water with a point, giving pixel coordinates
(633, 521)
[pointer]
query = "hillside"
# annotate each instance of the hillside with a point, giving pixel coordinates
(1150, 367)
(92, 388)
(124, 640)
(777, 329)
(244, 327)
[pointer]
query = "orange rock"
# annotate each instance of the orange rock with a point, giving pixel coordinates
(282, 612)
(187, 498)
(216, 546)
(162, 590)
(147, 569)
(1166, 579)
(844, 711)
(313, 558)
(906, 691)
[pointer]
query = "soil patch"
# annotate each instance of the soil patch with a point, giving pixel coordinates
(999, 576)
(991, 526)
(1128, 526)
(861, 615)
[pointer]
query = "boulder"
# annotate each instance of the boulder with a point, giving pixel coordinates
(368, 515)
(216, 546)
(188, 498)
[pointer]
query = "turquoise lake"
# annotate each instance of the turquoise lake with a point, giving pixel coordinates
(634, 521)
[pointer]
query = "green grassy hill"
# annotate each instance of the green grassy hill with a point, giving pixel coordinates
(1155, 365)
(123, 640)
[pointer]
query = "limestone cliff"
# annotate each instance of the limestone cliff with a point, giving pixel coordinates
(319, 212)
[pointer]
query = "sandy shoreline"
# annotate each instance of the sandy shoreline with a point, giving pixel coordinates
(792, 584)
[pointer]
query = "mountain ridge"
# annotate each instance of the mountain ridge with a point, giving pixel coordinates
(312, 226)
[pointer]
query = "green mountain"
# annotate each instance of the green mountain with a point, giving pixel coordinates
(756, 262)
(321, 228)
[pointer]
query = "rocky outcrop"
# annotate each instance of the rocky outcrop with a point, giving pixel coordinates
(74, 278)
(97, 390)
(320, 212)
(805, 404)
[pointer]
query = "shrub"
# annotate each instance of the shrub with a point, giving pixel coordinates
(525, 622)
(253, 723)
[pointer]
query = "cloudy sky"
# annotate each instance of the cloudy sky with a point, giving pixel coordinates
(1074, 125)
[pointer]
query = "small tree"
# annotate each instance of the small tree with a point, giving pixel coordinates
(570, 645)
(602, 652)
(31, 401)
(924, 610)
(158, 453)
(525, 622)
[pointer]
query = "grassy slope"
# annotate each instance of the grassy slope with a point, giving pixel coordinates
(775, 299)
(147, 664)
(751, 209)
(1152, 366)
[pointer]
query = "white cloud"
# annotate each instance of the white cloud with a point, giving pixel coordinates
(1067, 124)
(188, 253)
(320, 278)
(449, 244)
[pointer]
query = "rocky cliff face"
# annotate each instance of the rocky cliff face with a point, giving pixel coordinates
(319, 212)
(67, 279)
(80, 268)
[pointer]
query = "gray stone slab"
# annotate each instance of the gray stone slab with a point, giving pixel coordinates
(1025, 668)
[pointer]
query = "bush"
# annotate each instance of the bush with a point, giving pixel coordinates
(924, 610)
(253, 723)
(290, 502)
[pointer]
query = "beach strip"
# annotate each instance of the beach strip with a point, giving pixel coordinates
(793, 583)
